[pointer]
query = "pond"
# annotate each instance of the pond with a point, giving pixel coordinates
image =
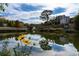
(10, 46)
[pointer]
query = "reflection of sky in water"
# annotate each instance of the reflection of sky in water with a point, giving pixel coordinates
(66, 49)
(57, 47)
(33, 37)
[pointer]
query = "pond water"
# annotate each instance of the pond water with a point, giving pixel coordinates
(66, 49)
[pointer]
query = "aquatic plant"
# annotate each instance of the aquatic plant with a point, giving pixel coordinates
(24, 40)
(22, 50)
(5, 51)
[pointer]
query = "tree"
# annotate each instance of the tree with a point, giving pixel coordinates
(77, 22)
(19, 24)
(44, 45)
(45, 15)
(2, 6)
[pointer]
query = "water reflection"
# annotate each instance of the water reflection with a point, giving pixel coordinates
(57, 49)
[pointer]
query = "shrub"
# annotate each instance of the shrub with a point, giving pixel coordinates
(44, 45)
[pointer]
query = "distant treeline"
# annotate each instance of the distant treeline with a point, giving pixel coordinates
(11, 23)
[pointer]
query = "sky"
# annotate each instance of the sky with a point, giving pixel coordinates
(29, 12)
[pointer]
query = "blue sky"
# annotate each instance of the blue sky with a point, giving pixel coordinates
(59, 10)
(28, 7)
(30, 12)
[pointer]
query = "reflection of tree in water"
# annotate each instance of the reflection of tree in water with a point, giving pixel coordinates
(72, 39)
(48, 36)
(76, 44)
(5, 51)
(75, 41)
(2, 37)
(56, 38)
(16, 51)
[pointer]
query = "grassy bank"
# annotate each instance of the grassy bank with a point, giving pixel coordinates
(12, 30)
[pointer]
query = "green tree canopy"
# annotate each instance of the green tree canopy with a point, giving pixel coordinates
(45, 15)
(77, 22)
(2, 6)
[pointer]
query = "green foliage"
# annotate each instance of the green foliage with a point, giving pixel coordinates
(17, 51)
(77, 26)
(45, 15)
(77, 23)
(21, 50)
(51, 36)
(44, 45)
(11, 23)
(2, 6)
(5, 51)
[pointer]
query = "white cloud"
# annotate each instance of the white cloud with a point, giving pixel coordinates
(39, 1)
(70, 8)
(35, 21)
(69, 50)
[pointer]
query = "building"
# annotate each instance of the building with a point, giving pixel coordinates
(62, 19)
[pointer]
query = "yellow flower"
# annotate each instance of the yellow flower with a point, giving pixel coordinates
(21, 37)
(26, 41)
